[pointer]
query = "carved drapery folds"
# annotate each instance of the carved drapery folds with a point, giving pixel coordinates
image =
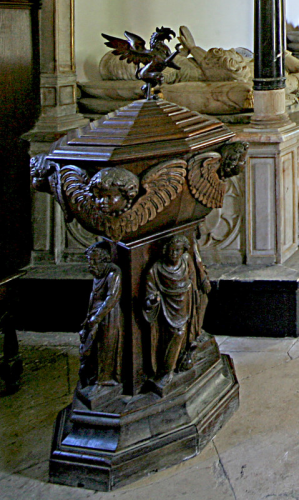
(174, 306)
(102, 334)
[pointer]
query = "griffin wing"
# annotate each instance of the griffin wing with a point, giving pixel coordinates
(204, 182)
(75, 184)
(162, 185)
(133, 49)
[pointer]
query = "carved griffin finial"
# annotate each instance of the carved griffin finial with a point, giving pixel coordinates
(207, 172)
(154, 60)
(113, 203)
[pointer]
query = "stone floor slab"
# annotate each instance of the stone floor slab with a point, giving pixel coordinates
(248, 364)
(255, 456)
(259, 344)
(259, 447)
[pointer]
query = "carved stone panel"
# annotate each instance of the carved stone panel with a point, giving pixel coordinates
(288, 196)
(222, 230)
(262, 209)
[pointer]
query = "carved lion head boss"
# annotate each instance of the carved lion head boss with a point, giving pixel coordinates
(142, 178)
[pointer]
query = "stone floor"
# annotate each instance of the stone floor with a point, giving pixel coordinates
(254, 457)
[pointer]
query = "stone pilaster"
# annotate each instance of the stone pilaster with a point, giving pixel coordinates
(58, 115)
(271, 219)
(271, 177)
(58, 75)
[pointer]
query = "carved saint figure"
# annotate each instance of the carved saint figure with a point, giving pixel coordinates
(102, 333)
(173, 305)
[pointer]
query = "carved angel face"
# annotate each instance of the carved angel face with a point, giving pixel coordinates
(233, 158)
(110, 200)
(114, 189)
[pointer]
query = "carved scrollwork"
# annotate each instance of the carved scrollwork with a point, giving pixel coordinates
(80, 235)
(45, 177)
(221, 228)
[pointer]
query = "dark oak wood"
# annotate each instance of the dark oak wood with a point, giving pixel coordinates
(142, 178)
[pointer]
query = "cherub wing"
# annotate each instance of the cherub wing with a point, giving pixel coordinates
(133, 49)
(75, 185)
(204, 182)
(162, 184)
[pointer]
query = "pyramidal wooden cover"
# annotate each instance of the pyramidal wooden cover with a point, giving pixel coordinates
(142, 129)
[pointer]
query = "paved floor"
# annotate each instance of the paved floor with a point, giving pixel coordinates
(254, 457)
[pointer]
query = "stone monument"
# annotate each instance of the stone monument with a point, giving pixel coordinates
(153, 388)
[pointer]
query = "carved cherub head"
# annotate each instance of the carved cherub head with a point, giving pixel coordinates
(114, 190)
(174, 249)
(98, 256)
(233, 158)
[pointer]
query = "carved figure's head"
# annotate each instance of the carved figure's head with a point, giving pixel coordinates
(40, 170)
(175, 248)
(98, 256)
(114, 190)
(233, 158)
(225, 65)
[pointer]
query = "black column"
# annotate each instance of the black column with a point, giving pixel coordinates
(269, 45)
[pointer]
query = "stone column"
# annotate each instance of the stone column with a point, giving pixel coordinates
(271, 174)
(58, 115)
(269, 68)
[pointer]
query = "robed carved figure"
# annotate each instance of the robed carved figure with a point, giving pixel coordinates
(101, 348)
(175, 302)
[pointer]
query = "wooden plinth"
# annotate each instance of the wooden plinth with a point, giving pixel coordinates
(109, 437)
(103, 450)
